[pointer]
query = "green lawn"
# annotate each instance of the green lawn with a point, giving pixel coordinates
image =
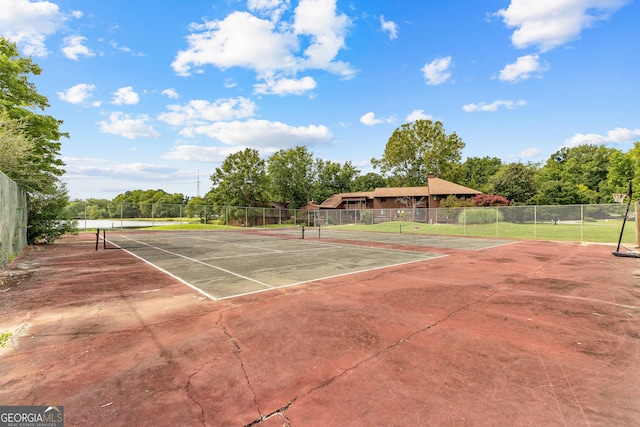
(598, 231)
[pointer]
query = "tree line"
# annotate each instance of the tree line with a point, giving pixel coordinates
(586, 174)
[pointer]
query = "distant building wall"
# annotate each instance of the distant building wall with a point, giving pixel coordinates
(13, 219)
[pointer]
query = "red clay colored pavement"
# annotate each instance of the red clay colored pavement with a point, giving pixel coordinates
(534, 333)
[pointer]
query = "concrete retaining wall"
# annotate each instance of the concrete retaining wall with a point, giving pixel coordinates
(13, 219)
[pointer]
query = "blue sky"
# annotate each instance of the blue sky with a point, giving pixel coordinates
(155, 93)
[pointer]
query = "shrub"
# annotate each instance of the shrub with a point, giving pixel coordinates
(489, 200)
(479, 216)
(366, 217)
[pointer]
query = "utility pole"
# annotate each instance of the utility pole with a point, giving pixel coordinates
(198, 192)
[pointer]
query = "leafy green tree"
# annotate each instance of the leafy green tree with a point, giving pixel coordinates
(368, 182)
(621, 170)
(241, 180)
(18, 99)
(417, 149)
(37, 165)
(199, 207)
(46, 218)
(574, 175)
(16, 149)
(291, 174)
(515, 182)
(558, 193)
(333, 178)
(476, 172)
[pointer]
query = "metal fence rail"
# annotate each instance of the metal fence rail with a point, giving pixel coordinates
(588, 223)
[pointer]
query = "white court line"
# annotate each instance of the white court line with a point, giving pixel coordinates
(184, 282)
(321, 246)
(331, 277)
(200, 262)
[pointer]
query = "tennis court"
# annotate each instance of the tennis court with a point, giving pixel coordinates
(350, 330)
(224, 264)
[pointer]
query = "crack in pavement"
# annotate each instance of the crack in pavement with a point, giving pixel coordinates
(281, 411)
(237, 354)
(192, 397)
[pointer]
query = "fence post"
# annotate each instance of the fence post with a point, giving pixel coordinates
(535, 222)
(582, 223)
(497, 221)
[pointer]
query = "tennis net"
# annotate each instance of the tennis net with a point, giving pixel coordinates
(174, 239)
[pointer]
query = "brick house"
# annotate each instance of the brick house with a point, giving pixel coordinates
(430, 196)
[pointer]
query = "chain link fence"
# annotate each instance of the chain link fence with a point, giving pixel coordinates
(583, 223)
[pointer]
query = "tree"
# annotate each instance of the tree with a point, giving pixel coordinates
(291, 174)
(37, 166)
(18, 99)
(515, 182)
(558, 193)
(198, 207)
(333, 178)
(15, 151)
(482, 200)
(46, 218)
(575, 174)
(368, 182)
(476, 172)
(241, 180)
(621, 170)
(417, 149)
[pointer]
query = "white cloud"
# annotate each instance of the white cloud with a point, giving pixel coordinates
(239, 40)
(270, 47)
(271, 8)
(508, 104)
(170, 93)
(198, 153)
(286, 86)
(29, 24)
(73, 47)
(125, 96)
(528, 153)
(523, 68)
(116, 46)
(327, 30)
(437, 71)
(370, 119)
(615, 136)
(77, 94)
(262, 134)
(418, 115)
(200, 112)
(390, 27)
(549, 24)
(124, 125)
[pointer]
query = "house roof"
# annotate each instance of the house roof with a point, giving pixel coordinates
(335, 200)
(401, 192)
(440, 187)
(435, 187)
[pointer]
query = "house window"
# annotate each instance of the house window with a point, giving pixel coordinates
(383, 199)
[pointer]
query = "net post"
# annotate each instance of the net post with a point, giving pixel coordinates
(302, 231)
(97, 237)
(104, 238)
